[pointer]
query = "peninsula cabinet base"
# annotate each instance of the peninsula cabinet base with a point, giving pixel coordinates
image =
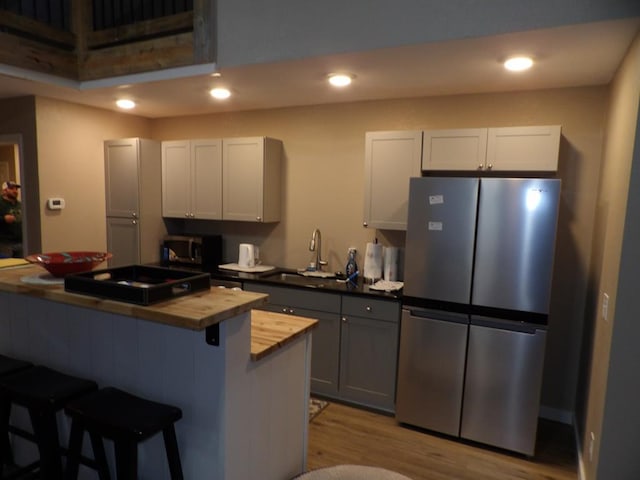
(241, 418)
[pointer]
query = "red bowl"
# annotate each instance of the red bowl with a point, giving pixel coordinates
(60, 264)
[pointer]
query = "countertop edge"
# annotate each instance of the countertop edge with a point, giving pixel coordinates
(196, 311)
(271, 331)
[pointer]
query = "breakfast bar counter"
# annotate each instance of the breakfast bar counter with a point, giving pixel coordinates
(244, 401)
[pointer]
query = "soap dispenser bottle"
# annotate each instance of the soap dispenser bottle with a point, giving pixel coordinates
(352, 267)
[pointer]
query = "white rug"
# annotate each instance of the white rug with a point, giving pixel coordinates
(351, 472)
(316, 406)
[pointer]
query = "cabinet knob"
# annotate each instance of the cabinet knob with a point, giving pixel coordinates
(186, 214)
(480, 167)
(344, 319)
(134, 215)
(291, 311)
(134, 222)
(368, 308)
(365, 224)
(285, 310)
(192, 215)
(258, 219)
(489, 167)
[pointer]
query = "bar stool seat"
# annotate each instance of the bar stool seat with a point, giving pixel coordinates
(127, 420)
(43, 392)
(9, 365)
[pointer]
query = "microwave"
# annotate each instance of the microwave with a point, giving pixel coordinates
(203, 252)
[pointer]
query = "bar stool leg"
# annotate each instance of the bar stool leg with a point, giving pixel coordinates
(46, 430)
(126, 459)
(75, 449)
(99, 456)
(6, 454)
(173, 454)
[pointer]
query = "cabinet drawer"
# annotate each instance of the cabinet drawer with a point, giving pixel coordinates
(297, 297)
(371, 308)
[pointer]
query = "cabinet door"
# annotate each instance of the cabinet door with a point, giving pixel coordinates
(121, 177)
(206, 179)
(176, 179)
(524, 148)
(123, 240)
(368, 357)
(461, 149)
(243, 173)
(391, 158)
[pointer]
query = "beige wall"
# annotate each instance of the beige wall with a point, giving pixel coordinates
(323, 184)
(71, 166)
(324, 181)
(609, 393)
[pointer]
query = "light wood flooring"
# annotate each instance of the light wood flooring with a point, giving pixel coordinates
(342, 434)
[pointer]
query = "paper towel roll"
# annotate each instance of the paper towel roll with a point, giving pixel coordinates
(373, 261)
(391, 263)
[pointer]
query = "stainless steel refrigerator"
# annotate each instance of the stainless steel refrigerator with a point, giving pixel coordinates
(477, 282)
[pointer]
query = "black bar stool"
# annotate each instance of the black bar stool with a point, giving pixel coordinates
(43, 392)
(127, 420)
(8, 366)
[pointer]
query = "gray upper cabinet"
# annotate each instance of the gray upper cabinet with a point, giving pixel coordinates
(391, 158)
(122, 164)
(192, 179)
(524, 148)
(251, 169)
(457, 149)
(531, 148)
(133, 200)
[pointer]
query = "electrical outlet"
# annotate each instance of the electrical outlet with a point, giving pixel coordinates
(605, 307)
(592, 441)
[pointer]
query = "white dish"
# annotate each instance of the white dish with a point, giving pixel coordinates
(237, 268)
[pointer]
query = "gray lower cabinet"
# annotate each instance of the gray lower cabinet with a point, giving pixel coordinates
(355, 346)
(369, 351)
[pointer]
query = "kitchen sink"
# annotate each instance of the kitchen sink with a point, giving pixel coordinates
(302, 280)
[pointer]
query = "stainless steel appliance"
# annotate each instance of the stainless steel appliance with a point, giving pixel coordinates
(478, 267)
(202, 252)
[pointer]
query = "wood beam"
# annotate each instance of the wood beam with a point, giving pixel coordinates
(20, 25)
(37, 56)
(139, 57)
(204, 29)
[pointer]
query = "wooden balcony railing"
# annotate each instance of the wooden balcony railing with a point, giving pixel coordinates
(85, 40)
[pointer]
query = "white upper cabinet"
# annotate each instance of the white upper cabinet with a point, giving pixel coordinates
(459, 149)
(532, 149)
(391, 158)
(192, 179)
(524, 148)
(251, 179)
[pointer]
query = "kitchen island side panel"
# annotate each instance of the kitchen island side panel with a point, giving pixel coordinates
(218, 389)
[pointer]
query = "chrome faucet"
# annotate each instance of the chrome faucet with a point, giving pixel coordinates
(316, 245)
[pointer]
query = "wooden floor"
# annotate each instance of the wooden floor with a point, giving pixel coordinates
(345, 435)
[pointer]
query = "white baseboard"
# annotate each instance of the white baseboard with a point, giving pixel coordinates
(556, 414)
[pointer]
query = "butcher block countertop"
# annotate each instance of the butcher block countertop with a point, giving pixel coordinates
(271, 331)
(195, 311)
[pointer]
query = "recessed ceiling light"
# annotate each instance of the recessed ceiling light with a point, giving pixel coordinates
(220, 93)
(518, 64)
(340, 79)
(125, 103)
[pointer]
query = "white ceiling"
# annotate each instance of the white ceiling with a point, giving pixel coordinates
(580, 55)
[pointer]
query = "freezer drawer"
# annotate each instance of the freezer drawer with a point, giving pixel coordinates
(431, 373)
(502, 388)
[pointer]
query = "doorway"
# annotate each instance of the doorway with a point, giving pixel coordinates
(10, 168)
